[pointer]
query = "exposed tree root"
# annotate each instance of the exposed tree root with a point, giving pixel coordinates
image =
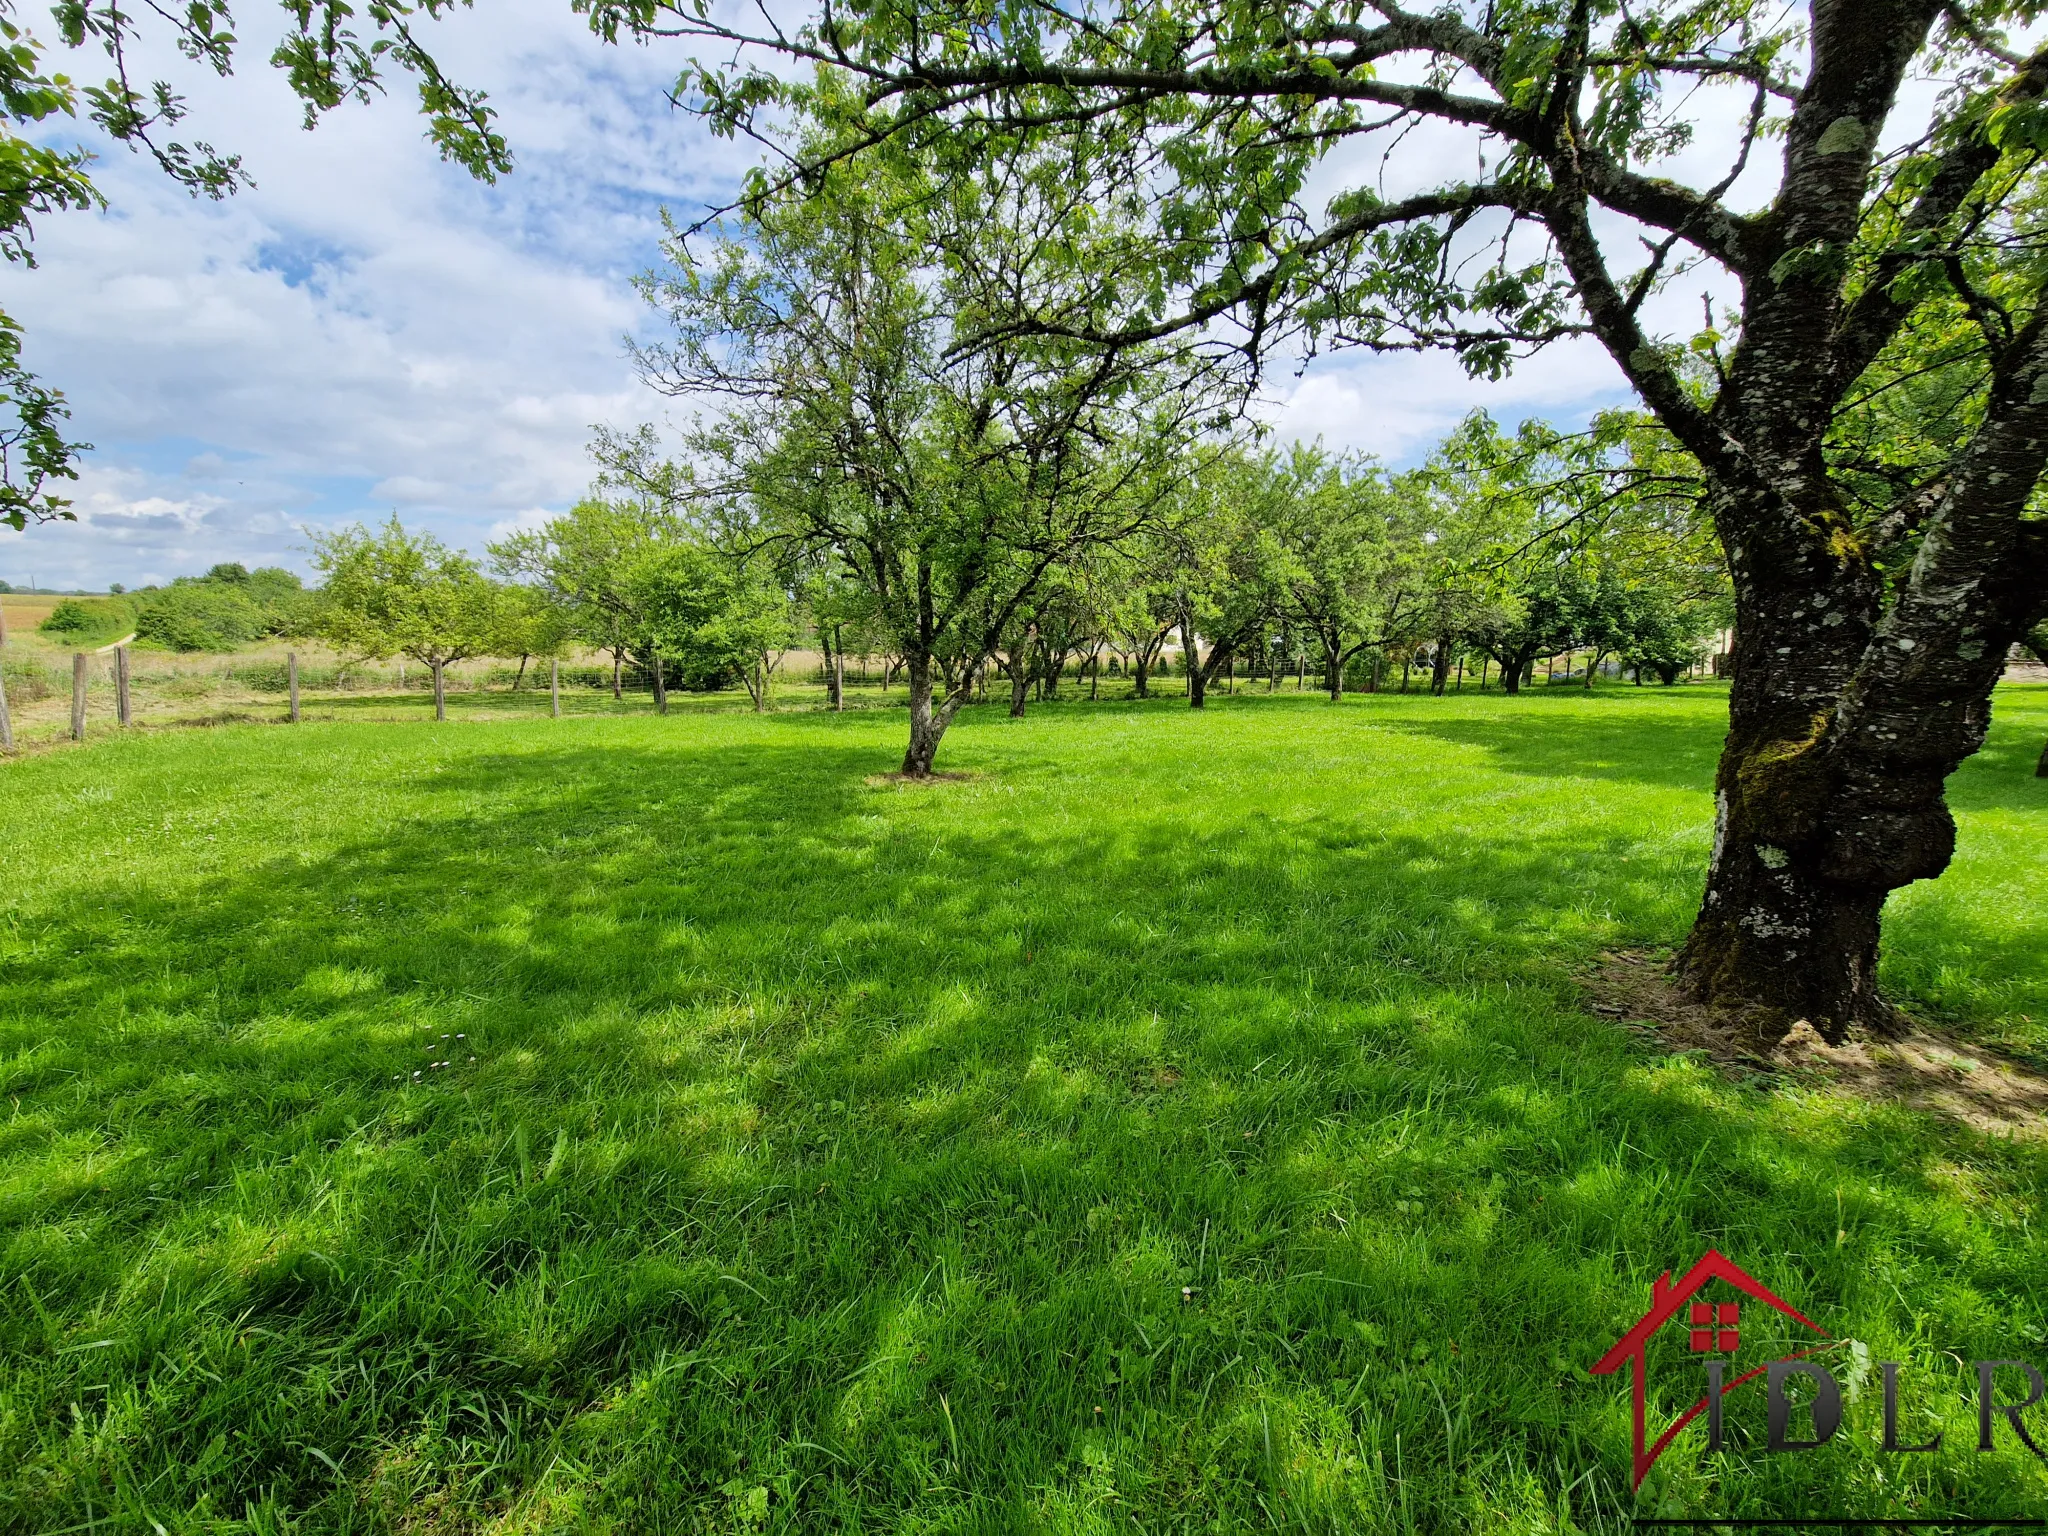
(1913, 1066)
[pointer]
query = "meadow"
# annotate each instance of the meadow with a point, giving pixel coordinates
(1183, 1122)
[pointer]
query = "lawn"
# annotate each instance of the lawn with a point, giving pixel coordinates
(1186, 1123)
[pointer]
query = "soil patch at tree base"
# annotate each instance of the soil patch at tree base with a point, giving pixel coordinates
(918, 780)
(1915, 1067)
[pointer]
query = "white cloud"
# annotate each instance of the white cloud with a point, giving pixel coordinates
(369, 329)
(1396, 406)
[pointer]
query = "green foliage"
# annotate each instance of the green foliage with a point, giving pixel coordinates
(832, 1153)
(1651, 631)
(585, 563)
(715, 614)
(228, 607)
(391, 593)
(954, 496)
(89, 621)
(530, 621)
(199, 616)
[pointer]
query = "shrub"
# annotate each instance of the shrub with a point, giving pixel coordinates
(199, 616)
(89, 621)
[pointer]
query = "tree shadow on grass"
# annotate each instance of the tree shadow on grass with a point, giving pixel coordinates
(836, 1158)
(1581, 736)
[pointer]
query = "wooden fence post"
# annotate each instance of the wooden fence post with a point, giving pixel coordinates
(121, 685)
(291, 673)
(78, 664)
(6, 720)
(555, 686)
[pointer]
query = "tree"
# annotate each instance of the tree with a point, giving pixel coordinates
(529, 622)
(718, 615)
(950, 487)
(1224, 571)
(588, 562)
(203, 615)
(393, 593)
(1873, 607)
(1549, 610)
(1332, 519)
(1650, 628)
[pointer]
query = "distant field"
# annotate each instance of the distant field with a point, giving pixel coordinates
(25, 613)
(1186, 1123)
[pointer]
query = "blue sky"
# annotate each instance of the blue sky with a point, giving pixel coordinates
(370, 331)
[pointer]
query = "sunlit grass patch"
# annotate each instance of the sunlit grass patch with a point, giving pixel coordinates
(1186, 1123)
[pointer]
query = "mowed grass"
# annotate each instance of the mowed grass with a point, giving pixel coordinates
(1185, 1124)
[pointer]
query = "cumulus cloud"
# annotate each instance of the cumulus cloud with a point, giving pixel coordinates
(366, 330)
(371, 331)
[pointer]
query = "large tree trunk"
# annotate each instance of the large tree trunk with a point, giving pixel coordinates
(440, 693)
(1020, 687)
(1440, 668)
(1788, 923)
(1511, 675)
(2041, 768)
(618, 667)
(1189, 658)
(1844, 726)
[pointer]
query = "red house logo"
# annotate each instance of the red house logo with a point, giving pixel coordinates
(1711, 1327)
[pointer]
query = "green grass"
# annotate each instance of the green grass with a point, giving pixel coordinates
(1186, 1124)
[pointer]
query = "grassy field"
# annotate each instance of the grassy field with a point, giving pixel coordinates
(1187, 1123)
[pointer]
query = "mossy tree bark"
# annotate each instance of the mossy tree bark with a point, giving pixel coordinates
(1850, 705)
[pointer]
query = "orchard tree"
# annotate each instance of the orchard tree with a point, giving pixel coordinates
(718, 615)
(530, 622)
(1332, 519)
(1549, 610)
(950, 485)
(393, 593)
(588, 562)
(1226, 578)
(1895, 246)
